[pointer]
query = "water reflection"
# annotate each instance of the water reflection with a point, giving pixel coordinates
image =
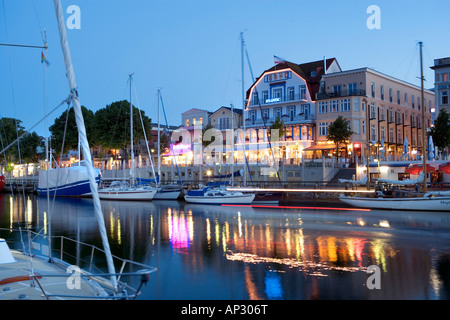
(213, 252)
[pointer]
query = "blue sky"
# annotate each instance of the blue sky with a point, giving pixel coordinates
(190, 49)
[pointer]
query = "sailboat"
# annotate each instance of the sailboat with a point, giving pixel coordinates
(164, 192)
(29, 275)
(122, 190)
(390, 197)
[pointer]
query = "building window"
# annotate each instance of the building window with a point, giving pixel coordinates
(187, 122)
(364, 127)
(303, 92)
(391, 98)
(383, 133)
(255, 100)
(265, 96)
(357, 126)
(391, 115)
(277, 93)
(406, 99)
(444, 97)
(382, 115)
(391, 135)
(265, 114)
(412, 102)
(252, 115)
(291, 112)
(355, 104)
(398, 96)
(323, 107)
(277, 112)
(323, 129)
(291, 93)
(373, 89)
(352, 89)
(224, 123)
(337, 91)
(345, 105)
(334, 105)
(193, 121)
(382, 92)
(373, 132)
(305, 110)
(201, 120)
(373, 111)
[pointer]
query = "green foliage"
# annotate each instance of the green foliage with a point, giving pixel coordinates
(441, 131)
(112, 125)
(339, 132)
(71, 138)
(278, 125)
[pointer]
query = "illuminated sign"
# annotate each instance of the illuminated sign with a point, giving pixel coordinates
(357, 145)
(273, 100)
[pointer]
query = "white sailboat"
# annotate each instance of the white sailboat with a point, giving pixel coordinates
(392, 198)
(164, 192)
(28, 275)
(121, 190)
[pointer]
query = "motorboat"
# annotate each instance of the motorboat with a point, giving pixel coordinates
(218, 196)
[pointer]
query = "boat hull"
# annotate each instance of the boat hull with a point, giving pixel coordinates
(76, 189)
(219, 200)
(167, 195)
(414, 204)
(2, 182)
(132, 195)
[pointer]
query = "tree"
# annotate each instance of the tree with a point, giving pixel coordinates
(339, 132)
(278, 125)
(112, 125)
(441, 131)
(10, 130)
(71, 130)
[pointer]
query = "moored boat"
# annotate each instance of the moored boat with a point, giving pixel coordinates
(66, 182)
(395, 201)
(218, 196)
(2, 182)
(122, 190)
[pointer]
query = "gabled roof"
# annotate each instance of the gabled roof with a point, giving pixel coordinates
(235, 110)
(305, 71)
(196, 110)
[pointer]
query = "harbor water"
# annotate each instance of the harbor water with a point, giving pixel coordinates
(205, 252)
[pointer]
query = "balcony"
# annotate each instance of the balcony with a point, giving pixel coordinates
(275, 100)
(349, 93)
(298, 119)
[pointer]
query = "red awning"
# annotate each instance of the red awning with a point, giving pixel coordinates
(418, 168)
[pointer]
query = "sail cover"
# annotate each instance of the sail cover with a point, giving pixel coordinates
(63, 177)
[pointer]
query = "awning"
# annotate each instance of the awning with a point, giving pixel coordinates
(321, 147)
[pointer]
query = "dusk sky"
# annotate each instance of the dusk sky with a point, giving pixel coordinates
(190, 49)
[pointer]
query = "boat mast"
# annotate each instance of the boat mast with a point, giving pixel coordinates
(84, 142)
(232, 146)
(424, 138)
(243, 109)
(159, 140)
(131, 131)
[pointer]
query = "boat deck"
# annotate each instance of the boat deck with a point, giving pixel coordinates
(15, 283)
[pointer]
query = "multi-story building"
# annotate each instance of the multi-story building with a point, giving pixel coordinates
(381, 109)
(442, 84)
(286, 91)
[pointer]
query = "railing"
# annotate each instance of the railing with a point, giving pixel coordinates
(286, 118)
(348, 93)
(284, 98)
(37, 245)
